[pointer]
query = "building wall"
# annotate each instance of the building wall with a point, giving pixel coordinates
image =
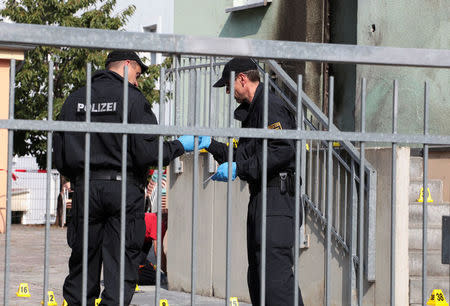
(4, 107)
(439, 168)
(374, 23)
(281, 20)
(412, 24)
(213, 21)
(5, 57)
(149, 12)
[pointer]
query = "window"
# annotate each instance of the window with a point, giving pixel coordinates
(239, 5)
(150, 28)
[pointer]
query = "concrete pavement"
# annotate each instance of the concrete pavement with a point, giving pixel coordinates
(27, 266)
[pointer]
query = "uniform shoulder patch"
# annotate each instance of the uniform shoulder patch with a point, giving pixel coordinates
(275, 126)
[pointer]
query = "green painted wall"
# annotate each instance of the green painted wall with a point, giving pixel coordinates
(299, 20)
(208, 18)
(412, 24)
(199, 17)
(402, 23)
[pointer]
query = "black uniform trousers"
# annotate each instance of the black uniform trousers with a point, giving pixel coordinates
(280, 237)
(104, 242)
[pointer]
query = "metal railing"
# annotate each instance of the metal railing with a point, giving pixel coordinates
(318, 136)
(194, 76)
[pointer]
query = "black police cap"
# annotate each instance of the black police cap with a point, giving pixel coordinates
(117, 55)
(238, 65)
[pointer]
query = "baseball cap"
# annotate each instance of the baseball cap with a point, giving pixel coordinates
(118, 55)
(237, 64)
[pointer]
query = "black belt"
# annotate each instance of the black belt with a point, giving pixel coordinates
(105, 176)
(110, 176)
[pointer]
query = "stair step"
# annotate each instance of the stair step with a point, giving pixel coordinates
(434, 239)
(434, 265)
(435, 211)
(435, 186)
(415, 288)
(416, 168)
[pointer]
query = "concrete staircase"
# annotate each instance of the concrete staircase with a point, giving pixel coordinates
(438, 275)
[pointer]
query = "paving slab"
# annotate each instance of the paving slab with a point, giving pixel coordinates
(27, 249)
(174, 298)
(27, 262)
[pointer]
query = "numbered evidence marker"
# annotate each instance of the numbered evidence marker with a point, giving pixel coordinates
(234, 301)
(429, 199)
(437, 298)
(23, 291)
(97, 301)
(51, 299)
(64, 303)
(163, 303)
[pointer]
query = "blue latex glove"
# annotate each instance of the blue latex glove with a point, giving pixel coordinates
(222, 172)
(205, 142)
(188, 142)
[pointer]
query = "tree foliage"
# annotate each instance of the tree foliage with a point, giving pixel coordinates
(69, 63)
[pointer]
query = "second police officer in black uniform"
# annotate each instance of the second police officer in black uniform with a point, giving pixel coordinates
(247, 165)
(105, 180)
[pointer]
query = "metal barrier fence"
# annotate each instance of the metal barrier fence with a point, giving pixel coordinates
(318, 192)
(29, 196)
(193, 77)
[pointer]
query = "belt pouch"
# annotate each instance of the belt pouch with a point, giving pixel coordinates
(283, 182)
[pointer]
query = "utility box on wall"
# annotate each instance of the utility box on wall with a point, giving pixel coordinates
(446, 240)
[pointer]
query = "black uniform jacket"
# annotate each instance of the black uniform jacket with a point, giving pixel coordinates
(106, 148)
(248, 155)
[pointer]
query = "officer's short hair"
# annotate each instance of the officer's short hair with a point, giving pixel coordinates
(117, 64)
(252, 75)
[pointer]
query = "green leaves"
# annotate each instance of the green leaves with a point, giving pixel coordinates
(69, 63)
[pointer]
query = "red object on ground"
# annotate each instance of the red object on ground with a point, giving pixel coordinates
(151, 222)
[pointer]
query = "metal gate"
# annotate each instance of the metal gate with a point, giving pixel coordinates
(339, 187)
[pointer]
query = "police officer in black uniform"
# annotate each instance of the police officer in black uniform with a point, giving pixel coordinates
(247, 165)
(105, 180)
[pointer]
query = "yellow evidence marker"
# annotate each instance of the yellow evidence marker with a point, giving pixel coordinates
(336, 144)
(163, 302)
(437, 298)
(97, 301)
(234, 301)
(51, 299)
(429, 199)
(64, 303)
(137, 289)
(23, 291)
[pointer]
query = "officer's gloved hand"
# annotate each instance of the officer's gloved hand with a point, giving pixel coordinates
(222, 172)
(188, 142)
(205, 142)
